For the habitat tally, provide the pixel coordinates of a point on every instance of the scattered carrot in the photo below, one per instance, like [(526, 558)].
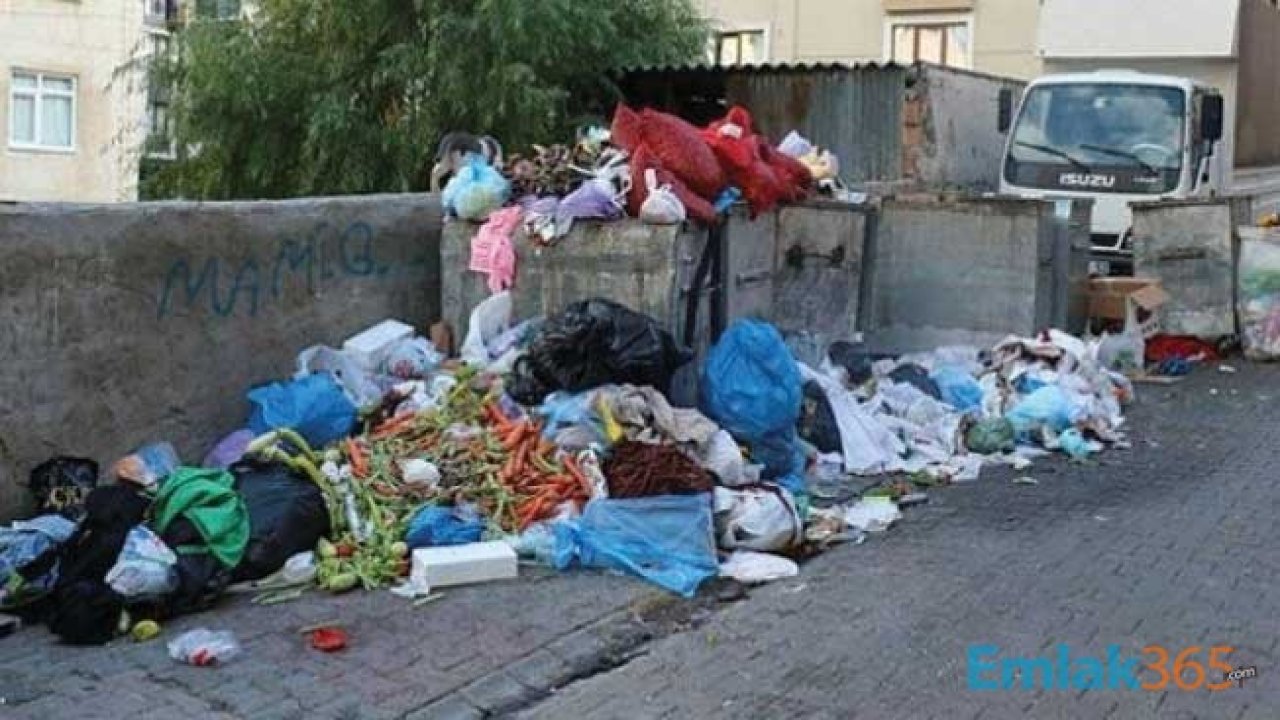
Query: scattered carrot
[(359, 462)]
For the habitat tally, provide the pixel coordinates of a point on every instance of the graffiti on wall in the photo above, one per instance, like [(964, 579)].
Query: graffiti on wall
[(246, 284)]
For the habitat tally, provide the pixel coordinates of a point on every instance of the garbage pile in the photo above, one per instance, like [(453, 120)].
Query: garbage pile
[(648, 165), (388, 464), (946, 413)]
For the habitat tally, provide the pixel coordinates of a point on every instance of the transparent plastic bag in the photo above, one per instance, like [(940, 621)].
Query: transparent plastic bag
[(666, 540), (412, 358), (148, 465), (344, 370), (203, 647), (757, 518)]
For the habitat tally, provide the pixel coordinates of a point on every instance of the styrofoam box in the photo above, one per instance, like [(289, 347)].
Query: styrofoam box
[(464, 564), (369, 346)]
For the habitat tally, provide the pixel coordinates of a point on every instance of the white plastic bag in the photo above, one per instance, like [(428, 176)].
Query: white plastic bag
[(874, 514), (356, 384), (753, 568), (662, 207), (723, 458), (489, 319), (757, 518), (145, 567), (869, 447)]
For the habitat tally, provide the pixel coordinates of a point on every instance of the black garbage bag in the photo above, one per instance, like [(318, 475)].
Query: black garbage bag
[(817, 424), (596, 342), (202, 578), (60, 485), (917, 376), (855, 360), (82, 609), (287, 515)]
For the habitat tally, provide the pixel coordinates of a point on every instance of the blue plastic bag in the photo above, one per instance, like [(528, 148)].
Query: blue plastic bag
[(668, 540), (958, 388), (315, 406), (438, 525), (1048, 407), (476, 190), (751, 386)]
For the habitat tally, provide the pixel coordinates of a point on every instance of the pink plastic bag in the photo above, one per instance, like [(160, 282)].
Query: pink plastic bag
[(492, 251)]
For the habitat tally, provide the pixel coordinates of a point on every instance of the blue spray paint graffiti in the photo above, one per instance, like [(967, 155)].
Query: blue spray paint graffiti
[(221, 285)]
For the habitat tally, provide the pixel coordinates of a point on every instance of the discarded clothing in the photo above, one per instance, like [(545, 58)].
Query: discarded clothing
[(644, 410), (492, 250), (208, 499), (24, 541)]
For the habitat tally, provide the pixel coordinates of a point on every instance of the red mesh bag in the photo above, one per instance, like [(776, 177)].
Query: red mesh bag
[(796, 179), (626, 131), (733, 141), (760, 187), (695, 207), (681, 149)]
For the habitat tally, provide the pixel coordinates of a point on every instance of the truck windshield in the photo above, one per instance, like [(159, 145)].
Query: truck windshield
[(1100, 138)]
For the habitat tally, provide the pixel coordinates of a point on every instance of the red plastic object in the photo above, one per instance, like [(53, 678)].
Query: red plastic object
[(328, 639)]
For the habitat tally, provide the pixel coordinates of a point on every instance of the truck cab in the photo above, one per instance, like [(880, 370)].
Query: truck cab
[(1116, 137)]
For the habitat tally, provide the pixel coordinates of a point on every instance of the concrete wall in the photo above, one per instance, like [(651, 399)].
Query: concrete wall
[(965, 271), (93, 42), (130, 323)]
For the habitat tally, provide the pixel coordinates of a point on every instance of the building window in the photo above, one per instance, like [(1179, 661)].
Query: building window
[(159, 141), (740, 47), (218, 9), (160, 12), (42, 111), (940, 39)]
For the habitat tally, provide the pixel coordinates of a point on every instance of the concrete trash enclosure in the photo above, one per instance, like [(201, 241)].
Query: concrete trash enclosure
[(908, 273)]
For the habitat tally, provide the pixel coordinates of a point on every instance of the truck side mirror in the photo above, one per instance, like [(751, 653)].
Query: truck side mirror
[(1004, 117), (1211, 118)]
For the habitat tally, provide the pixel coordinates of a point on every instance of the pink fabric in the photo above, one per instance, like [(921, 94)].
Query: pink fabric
[(492, 251)]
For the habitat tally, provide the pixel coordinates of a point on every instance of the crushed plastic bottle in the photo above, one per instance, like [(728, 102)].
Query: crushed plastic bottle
[(203, 647)]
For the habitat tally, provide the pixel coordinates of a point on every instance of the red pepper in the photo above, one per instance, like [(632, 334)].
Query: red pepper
[(328, 639)]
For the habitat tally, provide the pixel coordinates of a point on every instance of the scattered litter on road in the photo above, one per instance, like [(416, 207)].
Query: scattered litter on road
[(204, 648), (753, 568), (329, 639), (1025, 480)]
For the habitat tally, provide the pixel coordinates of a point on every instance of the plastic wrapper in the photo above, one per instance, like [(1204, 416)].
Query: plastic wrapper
[(412, 359), (203, 647), (145, 568)]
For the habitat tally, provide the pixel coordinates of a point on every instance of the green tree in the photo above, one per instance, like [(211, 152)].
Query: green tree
[(319, 97)]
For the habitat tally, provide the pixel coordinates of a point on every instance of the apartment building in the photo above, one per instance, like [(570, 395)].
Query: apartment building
[(79, 113), (993, 36)]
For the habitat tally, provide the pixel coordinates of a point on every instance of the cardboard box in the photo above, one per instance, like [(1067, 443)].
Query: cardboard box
[(1127, 300)]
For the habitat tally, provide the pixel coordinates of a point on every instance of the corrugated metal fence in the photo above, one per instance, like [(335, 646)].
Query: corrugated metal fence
[(856, 111)]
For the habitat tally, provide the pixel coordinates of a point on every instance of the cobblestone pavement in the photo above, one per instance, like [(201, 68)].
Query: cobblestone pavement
[(1172, 543)]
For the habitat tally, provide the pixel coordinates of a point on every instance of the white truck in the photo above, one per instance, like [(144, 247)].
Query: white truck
[(1193, 113)]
